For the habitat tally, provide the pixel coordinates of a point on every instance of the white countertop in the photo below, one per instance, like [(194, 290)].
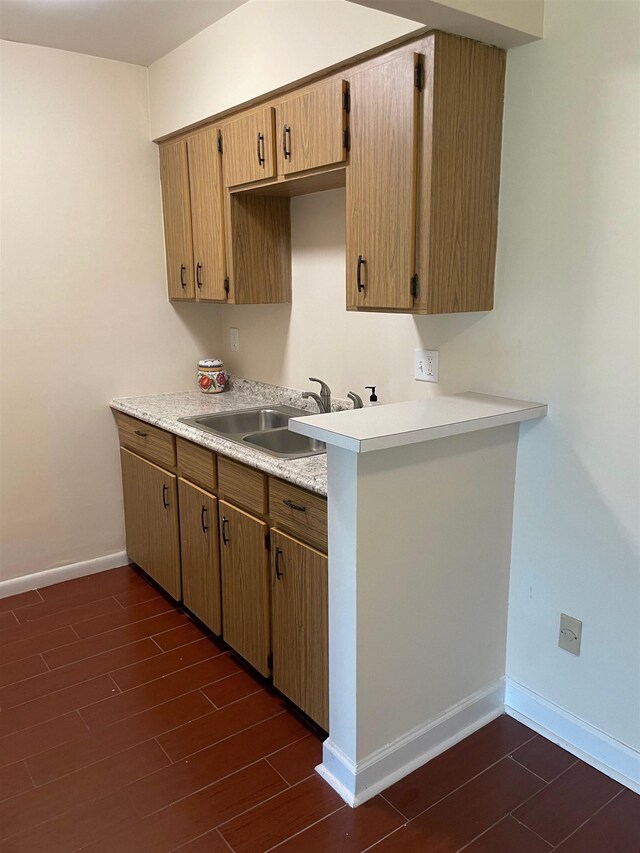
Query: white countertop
[(397, 424)]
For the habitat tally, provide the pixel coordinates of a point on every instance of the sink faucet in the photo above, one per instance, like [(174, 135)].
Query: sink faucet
[(356, 399), (323, 399)]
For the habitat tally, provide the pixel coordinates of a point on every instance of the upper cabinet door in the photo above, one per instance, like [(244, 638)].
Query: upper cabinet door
[(174, 176), (205, 184), (311, 128), (247, 144), (381, 185)]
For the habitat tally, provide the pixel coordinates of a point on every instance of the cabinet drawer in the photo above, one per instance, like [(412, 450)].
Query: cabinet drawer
[(298, 511), (149, 441), (244, 486), (197, 464)]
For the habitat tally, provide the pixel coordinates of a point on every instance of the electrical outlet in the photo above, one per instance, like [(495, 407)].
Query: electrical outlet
[(570, 634), (234, 338), (426, 365)]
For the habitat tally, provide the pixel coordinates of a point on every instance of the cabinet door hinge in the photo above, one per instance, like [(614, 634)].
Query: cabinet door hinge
[(226, 285), (419, 76), (346, 139), (219, 142), (415, 286), (346, 101), (267, 541)]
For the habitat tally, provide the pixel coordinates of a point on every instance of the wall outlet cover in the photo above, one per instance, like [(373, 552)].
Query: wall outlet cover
[(426, 365), (234, 339), (570, 634)]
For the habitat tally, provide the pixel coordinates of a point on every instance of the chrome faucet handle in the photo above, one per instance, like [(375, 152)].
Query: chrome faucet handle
[(356, 399)]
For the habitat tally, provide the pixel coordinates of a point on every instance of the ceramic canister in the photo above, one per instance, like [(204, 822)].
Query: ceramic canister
[(212, 377)]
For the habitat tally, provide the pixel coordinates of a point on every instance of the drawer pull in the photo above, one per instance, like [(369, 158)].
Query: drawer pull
[(165, 491), (286, 136), (225, 523), (141, 433), (277, 564), (183, 270), (292, 505), (204, 526)]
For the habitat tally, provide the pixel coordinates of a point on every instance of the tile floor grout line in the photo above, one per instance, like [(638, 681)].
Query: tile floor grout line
[(495, 823), (305, 828), (169, 759), (384, 837), (221, 826), (537, 775), (470, 779), (216, 742), (537, 834), (210, 701), (275, 770), (597, 811), (395, 808)]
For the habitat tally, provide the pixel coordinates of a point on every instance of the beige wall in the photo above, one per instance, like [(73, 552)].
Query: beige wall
[(565, 331), (84, 315), (259, 47)]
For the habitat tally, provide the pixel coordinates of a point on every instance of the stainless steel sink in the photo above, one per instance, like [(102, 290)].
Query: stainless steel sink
[(243, 422), (264, 428), (283, 443)]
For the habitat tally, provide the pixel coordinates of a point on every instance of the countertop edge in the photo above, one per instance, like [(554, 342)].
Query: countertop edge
[(521, 411), (236, 452)]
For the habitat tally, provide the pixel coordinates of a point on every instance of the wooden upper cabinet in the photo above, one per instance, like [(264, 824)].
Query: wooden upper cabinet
[(311, 128), (174, 176), (206, 193), (248, 147), (381, 185)]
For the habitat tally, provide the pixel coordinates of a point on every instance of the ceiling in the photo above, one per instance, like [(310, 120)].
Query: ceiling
[(137, 31)]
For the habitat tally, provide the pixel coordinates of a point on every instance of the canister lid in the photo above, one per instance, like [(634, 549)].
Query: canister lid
[(210, 363)]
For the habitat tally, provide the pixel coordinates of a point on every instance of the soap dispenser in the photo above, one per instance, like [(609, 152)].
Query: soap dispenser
[(373, 399)]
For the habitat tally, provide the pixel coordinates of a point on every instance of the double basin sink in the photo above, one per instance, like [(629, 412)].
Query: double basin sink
[(263, 428)]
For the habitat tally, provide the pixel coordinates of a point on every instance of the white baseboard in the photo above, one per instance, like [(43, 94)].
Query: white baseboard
[(581, 739), (358, 783), (37, 580)]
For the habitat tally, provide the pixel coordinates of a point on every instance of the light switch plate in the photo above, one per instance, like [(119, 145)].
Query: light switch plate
[(426, 365), (570, 634), (234, 339)]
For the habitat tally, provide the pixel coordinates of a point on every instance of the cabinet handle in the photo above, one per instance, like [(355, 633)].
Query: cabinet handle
[(260, 149), (277, 564), (291, 505), (286, 151), (204, 526), (143, 434), (165, 492), (361, 263), (199, 275), (183, 270), (225, 522)]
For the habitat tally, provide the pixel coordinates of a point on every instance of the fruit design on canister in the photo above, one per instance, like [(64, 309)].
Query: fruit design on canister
[(212, 377)]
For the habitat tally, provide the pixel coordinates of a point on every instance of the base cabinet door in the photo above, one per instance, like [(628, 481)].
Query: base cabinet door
[(245, 585), (151, 520), (200, 554), (300, 625)]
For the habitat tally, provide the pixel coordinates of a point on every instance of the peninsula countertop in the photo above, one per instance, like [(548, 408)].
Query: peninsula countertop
[(165, 410)]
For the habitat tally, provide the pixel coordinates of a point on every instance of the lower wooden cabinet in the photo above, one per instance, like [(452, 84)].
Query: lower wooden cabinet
[(244, 560), (151, 520), (299, 627), (200, 554)]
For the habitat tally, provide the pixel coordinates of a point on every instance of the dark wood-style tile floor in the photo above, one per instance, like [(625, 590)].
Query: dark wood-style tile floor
[(124, 727)]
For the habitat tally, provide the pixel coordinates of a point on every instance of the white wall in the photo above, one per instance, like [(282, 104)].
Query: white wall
[(565, 331), (84, 312)]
